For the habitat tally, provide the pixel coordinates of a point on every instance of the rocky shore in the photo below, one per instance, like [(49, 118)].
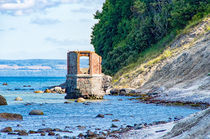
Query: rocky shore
[(195, 126)]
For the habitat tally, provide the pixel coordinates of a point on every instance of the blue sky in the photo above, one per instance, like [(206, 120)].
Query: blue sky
[(45, 29)]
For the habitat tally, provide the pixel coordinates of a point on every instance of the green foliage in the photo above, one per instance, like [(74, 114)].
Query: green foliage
[(127, 28)]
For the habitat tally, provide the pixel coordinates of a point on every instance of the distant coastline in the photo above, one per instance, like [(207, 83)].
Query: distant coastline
[(35, 67)]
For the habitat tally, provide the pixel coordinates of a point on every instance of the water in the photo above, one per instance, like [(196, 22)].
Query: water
[(69, 116)]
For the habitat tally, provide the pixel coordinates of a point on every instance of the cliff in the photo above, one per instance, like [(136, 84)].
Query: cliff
[(180, 73)]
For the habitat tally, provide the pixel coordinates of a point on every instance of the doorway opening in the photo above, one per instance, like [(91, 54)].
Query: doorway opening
[(84, 65)]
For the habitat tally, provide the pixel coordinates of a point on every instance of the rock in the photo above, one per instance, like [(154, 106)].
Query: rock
[(26, 85), (81, 127), (80, 99), (47, 91), (6, 129), (67, 102), (57, 130), (42, 134), (36, 112), (11, 133), (80, 135), (18, 99), (27, 104), (38, 91), (90, 134), (22, 133), (58, 136), (32, 132), (51, 133), (113, 126), (4, 84), (3, 101), (178, 118), (109, 114), (114, 91), (10, 116), (58, 89), (115, 120), (100, 116), (108, 91), (107, 80), (126, 91), (45, 130)]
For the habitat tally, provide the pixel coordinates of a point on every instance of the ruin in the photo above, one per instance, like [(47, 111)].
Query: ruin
[(84, 82)]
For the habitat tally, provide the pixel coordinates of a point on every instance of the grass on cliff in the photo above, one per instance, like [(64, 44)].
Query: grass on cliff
[(149, 54), (159, 51)]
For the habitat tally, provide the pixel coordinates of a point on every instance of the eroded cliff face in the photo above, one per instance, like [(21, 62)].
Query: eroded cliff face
[(181, 72)]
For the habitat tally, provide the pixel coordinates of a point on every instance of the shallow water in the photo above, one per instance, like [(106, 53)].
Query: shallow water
[(68, 116)]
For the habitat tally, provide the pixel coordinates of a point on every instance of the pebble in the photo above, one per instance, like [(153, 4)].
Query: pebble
[(42, 134), (18, 99), (100, 116), (114, 126), (22, 133), (7, 129), (51, 133), (115, 120)]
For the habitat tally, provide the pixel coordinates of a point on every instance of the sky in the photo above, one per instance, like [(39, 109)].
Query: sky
[(46, 29)]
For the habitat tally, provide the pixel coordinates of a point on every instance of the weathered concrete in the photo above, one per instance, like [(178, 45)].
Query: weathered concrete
[(80, 82)]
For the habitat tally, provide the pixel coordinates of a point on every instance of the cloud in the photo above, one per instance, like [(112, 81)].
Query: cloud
[(18, 5), (67, 42), (12, 29), (85, 20), (21, 7), (82, 10), (45, 21)]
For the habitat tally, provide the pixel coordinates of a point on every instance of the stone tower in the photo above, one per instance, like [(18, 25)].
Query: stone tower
[(84, 82)]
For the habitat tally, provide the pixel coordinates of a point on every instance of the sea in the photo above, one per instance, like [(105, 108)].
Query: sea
[(70, 116)]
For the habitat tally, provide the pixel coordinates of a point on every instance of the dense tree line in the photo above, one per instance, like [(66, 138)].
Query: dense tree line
[(128, 27)]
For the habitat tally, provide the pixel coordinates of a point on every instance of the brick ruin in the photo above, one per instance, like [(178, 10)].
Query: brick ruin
[(84, 82)]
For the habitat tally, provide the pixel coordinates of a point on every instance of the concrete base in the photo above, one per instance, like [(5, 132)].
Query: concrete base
[(84, 85)]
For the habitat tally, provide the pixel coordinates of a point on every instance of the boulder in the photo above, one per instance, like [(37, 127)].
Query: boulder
[(47, 91), (58, 89), (3, 101), (10, 116), (7, 129), (38, 91), (18, 99), (80, 99), (4, 84), (107, 80), (122, 92), (114, 91), (36, 112)]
